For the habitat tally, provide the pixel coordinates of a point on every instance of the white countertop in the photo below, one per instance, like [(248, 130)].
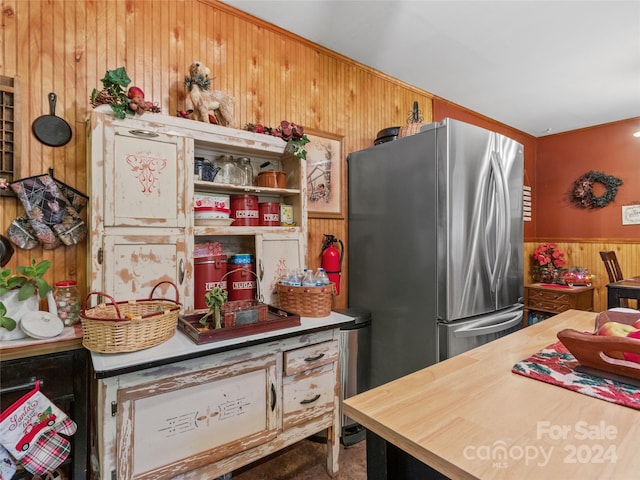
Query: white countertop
[(180, 346)]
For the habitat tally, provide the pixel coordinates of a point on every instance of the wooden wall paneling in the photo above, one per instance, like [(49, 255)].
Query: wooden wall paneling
[(67, 46)]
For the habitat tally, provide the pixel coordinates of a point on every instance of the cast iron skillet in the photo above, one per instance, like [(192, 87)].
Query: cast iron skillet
[(51, 130)]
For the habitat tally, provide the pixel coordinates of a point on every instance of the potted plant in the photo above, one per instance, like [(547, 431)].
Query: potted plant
[(20, 291), (214, 299)]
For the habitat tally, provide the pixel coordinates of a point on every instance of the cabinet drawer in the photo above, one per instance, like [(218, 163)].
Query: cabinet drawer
[(313, 356), (309, 394), (548, 306), (557, 298)]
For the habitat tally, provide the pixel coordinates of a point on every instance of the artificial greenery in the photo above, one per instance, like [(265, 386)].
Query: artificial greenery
[(214, 299), (114, 93), (201, 81), (582, 194)]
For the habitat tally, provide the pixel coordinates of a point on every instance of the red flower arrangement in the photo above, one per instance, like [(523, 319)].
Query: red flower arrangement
[(548, 260), (290, 132)]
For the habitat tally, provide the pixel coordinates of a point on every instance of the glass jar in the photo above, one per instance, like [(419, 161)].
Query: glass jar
[(230, 173), (67, 301), (245, 165)]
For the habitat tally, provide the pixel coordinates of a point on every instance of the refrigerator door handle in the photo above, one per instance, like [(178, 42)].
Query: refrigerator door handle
[(504, 226), (512, 320)]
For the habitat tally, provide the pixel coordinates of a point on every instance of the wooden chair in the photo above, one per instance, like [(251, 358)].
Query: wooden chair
[(613, 270)]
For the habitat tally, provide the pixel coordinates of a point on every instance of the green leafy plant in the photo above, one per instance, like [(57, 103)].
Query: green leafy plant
[(29, 280), (6, 322), (114, 92), (214, 299)]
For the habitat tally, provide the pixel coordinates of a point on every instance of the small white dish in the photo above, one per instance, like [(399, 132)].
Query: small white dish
[(214, 222), (41, 325)]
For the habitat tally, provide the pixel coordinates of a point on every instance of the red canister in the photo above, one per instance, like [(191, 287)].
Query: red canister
[(269, 214), (241, 279), (208, 273), (244, 210)]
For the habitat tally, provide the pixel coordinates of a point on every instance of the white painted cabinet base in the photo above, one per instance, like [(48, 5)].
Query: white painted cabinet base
[(204, 417)]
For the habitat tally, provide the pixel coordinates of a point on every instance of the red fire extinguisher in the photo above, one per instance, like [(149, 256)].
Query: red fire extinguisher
[(332, 259)]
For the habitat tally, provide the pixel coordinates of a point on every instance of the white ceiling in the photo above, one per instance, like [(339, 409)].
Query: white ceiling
[(542, 67)]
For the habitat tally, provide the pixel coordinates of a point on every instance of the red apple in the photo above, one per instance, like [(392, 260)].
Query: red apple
[(636, 324), (136, 93), (633, 357), (616, 329)]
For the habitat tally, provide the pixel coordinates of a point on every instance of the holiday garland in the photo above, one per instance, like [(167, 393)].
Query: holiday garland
[(582, 194)]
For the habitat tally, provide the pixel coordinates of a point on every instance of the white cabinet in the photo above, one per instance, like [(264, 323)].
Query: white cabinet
[(145, 180), (200, 418), (142, 187)]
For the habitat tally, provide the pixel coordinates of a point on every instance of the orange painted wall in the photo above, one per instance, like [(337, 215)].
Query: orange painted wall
[(563, 158), (444, 109)]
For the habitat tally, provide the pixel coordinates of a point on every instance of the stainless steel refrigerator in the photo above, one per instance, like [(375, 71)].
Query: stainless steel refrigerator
[(435, 245)]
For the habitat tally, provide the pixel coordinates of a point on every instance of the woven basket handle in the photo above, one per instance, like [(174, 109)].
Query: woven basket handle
[(175, 287), (113, 301)]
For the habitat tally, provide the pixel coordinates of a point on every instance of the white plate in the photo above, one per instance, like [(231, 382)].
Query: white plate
[(41, 325), (215, 222)]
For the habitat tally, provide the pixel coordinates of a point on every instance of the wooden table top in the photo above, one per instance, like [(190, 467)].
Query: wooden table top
[(633, 283), (471, 417)]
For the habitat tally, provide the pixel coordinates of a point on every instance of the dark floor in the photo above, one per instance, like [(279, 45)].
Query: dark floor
[(306, 460)]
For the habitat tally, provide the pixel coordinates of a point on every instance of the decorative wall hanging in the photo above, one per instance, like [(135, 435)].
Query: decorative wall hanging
[(325, 175), (582, 194)]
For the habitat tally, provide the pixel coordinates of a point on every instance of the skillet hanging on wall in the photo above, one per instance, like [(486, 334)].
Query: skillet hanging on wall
[(50, 129)]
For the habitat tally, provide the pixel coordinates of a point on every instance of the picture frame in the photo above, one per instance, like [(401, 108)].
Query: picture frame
[(325, 174)]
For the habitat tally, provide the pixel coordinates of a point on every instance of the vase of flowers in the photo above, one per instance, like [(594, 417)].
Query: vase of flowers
[(547, 262)]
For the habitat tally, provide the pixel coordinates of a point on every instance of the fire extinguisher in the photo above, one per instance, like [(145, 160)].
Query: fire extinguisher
[(332, 259)]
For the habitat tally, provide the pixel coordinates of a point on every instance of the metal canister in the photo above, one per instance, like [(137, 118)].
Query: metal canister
[(241, 279), (208, 273)]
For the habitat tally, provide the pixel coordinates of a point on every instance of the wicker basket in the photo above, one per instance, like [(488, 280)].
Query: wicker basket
[(306, 301), (129, 326)]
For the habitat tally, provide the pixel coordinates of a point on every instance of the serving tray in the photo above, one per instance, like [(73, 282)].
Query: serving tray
[(276, 319)]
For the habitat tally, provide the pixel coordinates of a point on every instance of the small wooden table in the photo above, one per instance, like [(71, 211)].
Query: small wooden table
[(471, 417), (554, 299), (627, 288)]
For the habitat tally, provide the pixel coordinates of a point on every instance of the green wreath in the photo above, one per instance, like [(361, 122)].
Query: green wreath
[(582, 194)]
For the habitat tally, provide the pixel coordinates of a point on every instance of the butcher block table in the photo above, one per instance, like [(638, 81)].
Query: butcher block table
[(470, 417)]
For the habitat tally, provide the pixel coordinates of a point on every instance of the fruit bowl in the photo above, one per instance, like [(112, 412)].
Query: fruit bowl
[(605, 352)]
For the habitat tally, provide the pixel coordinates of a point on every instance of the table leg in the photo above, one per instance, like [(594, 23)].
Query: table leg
[(613, 298), (385, 461)]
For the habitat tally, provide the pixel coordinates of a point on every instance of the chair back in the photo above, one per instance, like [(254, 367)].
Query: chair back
[(611, 264), (613, 270)]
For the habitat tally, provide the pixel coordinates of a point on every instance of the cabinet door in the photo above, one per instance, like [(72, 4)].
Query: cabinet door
[(134, 263), (277, 253), (174, 424), (144, 178)]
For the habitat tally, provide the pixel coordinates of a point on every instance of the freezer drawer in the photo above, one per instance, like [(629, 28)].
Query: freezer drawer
[(458, 337)]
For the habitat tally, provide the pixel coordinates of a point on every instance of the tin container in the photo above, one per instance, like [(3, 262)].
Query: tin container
[(208, 272), (245, 210), (272, 179), (286, 215), (241, 279), (269, 214)]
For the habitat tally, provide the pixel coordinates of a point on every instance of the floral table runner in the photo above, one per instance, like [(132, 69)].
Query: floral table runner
[(554, 364)]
